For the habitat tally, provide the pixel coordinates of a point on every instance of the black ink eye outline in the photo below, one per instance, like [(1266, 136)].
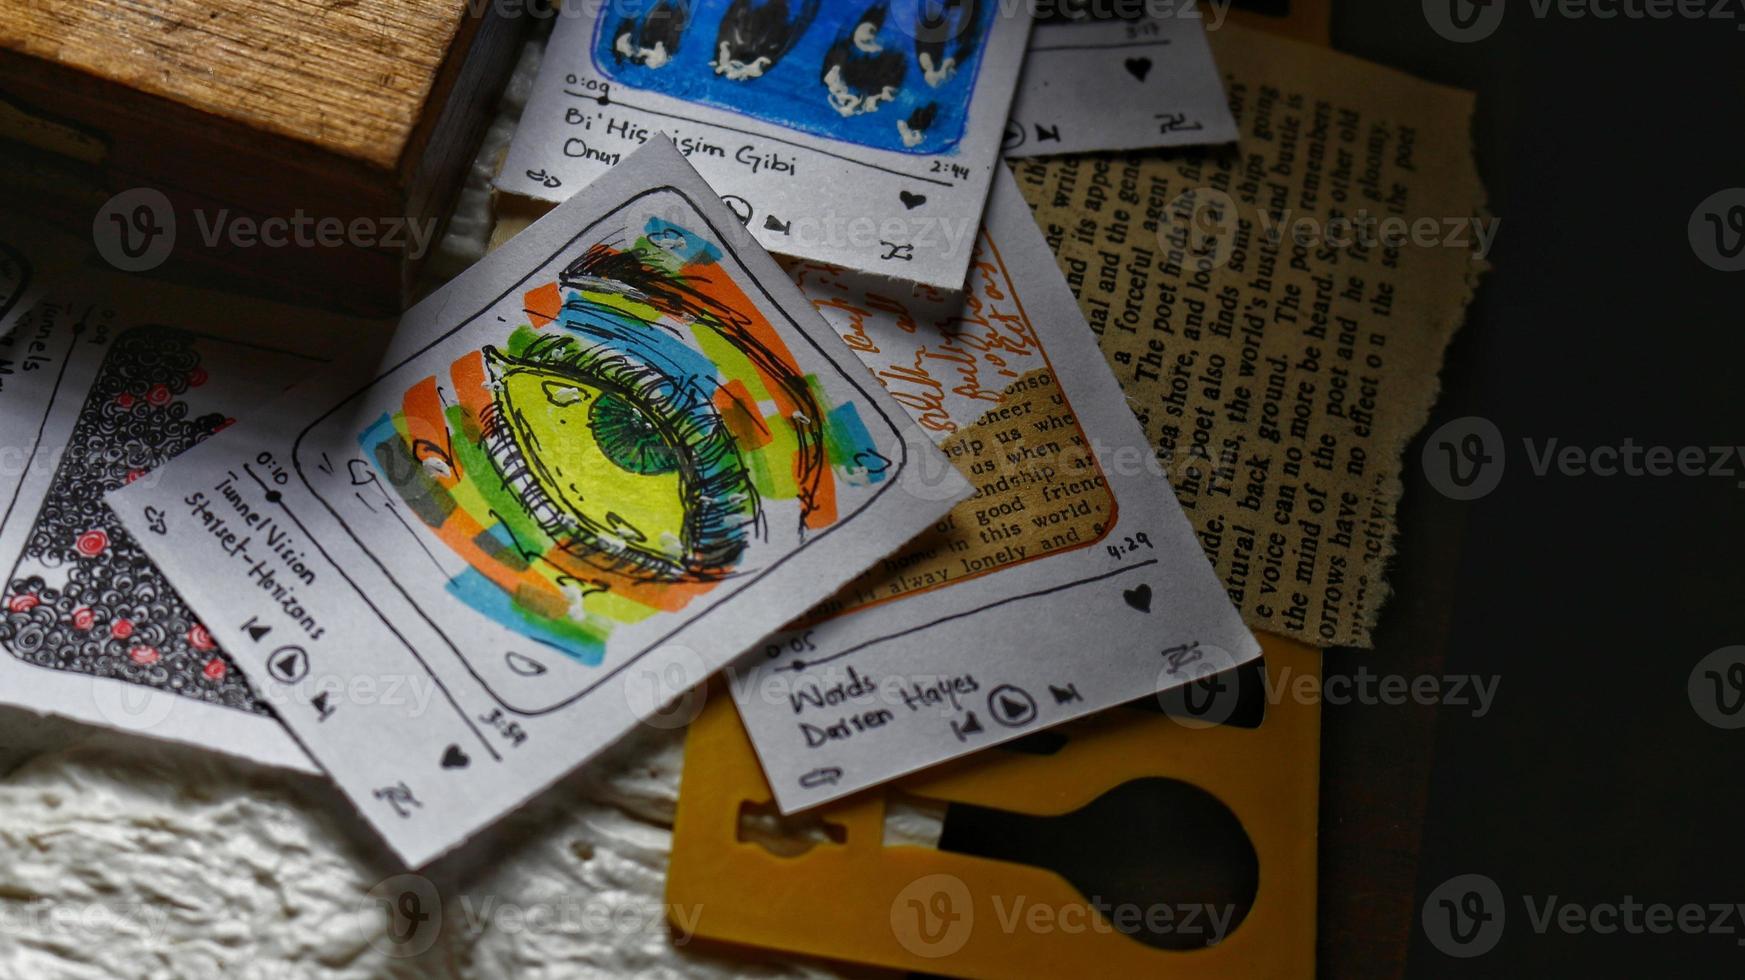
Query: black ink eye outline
[(630, 272), (720, 506), (629, 438)]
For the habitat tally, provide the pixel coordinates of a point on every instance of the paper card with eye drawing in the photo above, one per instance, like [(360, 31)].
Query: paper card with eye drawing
[(858, 132), (129, 376), (1069, 582), (589, 472), (1119, 85)]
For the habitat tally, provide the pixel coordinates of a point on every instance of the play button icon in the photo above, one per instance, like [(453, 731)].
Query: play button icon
[(1011, 706), (288, 665)]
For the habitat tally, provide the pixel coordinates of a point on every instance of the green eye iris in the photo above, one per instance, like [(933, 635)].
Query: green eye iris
[(628, 438)]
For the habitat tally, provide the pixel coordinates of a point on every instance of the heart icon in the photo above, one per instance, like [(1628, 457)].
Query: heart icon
[(1139, 67), (454, 758), (1139, 597), (912, 201)]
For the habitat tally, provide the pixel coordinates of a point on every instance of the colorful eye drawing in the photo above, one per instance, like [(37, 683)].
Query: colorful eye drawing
[(621, 465), (642, 437)]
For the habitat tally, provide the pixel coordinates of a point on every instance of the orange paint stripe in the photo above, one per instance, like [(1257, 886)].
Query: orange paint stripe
[(823, 491), (823, 512), (739, 414), (458, 533), (424, 422), (543, 304), (468, 372)]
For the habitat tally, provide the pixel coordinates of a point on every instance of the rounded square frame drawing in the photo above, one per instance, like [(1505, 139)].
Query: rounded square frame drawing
[(335, 427)]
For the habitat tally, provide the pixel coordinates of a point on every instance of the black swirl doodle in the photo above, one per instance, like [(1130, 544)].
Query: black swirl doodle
[(113, 613)]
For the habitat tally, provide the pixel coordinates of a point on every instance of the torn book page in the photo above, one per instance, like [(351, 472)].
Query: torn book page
[(1277, 312)]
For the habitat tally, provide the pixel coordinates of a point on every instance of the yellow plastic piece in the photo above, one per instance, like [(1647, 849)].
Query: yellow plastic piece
[(916, 908)]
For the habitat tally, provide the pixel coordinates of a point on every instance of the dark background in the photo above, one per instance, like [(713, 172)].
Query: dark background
[(1591, 599)]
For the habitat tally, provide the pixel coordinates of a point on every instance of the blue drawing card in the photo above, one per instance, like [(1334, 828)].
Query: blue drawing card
[(862, 73), (857, 132)]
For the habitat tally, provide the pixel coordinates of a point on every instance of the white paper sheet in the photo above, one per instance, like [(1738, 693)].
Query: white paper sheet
[(32, 258), (862, 134), (1070, 582), (1119, 85), (118, 377), (592, 470)]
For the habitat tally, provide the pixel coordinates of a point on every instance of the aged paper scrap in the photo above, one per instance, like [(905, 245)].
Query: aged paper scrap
[(1277, 312)]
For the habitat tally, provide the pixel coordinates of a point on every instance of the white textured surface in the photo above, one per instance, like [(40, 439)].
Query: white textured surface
[(142, 859), (130, 858)]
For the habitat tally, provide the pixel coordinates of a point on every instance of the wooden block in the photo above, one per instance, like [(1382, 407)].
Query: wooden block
[(367, 110)]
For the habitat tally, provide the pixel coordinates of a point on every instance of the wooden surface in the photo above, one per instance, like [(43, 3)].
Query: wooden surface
[(293, 109), (352, 77)]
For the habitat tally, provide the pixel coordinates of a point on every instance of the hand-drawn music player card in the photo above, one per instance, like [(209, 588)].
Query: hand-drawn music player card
[(111, 383), (1069, 582), (608, 459), (857, 132), (1119, 84)]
